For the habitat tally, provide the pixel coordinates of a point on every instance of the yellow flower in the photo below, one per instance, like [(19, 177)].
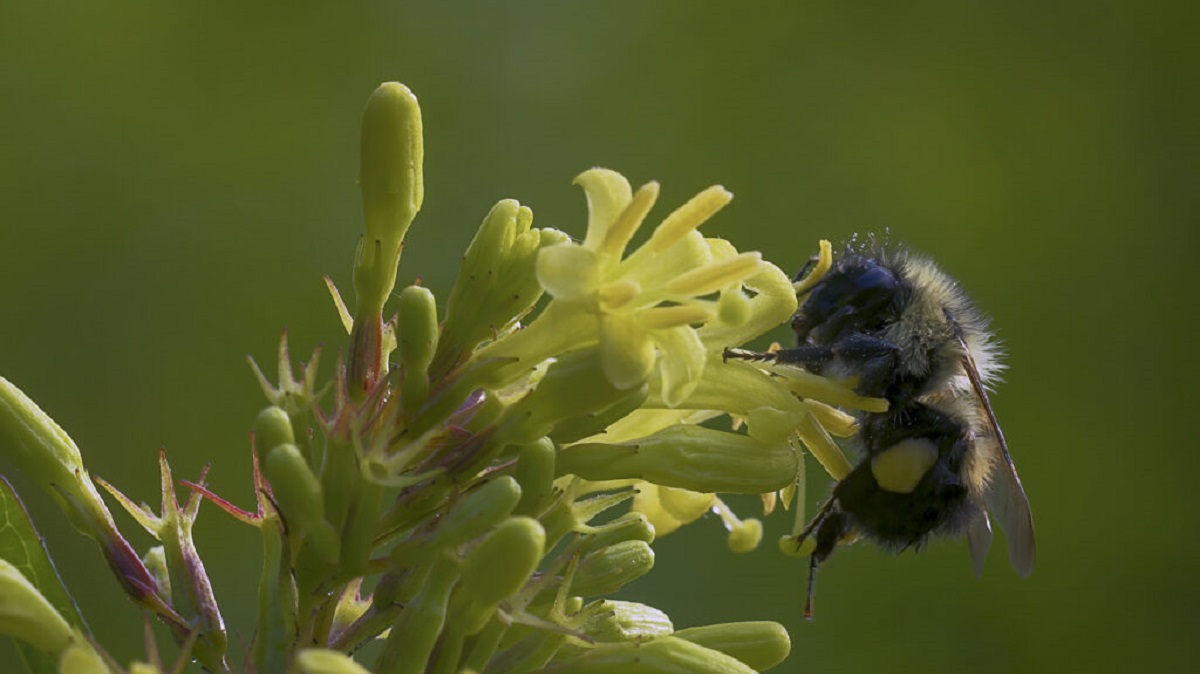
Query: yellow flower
[(645, 307)]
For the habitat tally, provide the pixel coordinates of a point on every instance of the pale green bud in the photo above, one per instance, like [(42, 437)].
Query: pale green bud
[(392, 191), (503, 562), (479, 511), (497, 283), (663, 655), (761, 645), (609, 569), (416, 630), (609, 620), (324, 661), (299, 496), (688, 457), (417, 332), (27, 615), (273, 427), (535, 472)]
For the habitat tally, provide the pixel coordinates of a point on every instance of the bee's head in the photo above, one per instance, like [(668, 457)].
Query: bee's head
[(859, 294)]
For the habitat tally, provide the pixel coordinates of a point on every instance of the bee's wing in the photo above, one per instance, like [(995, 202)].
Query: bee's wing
[(979, 540), (1004, 495)]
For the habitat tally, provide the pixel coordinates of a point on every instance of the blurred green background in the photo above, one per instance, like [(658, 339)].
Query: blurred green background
[(175, 179)]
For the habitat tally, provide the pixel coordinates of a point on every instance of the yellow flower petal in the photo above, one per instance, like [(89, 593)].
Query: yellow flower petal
[(608, 193), (568, 271), (688, 217), (627, 223), (716, 275)]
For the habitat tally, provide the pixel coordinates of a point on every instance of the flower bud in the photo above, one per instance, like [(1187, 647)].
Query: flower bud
[(610, 620), (503, 562), (609, 569), (416, 630), (535, 473), (654, 656), (392, 189), (497, 283), (688, 457), (479, 511), (273, 427), (761, 645), (42, 450), (324, 661), (417, 332), (299, 496), (27, 615)]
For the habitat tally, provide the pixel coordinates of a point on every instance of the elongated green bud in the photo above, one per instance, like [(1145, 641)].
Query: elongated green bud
[(324, 661), (688, 457), (498, 569), (42, 450), (535, 472), (416, 630), (609, 569), (299, 496), (417, 332), (475, 514), (273, 427), (662, 655), (27, 615), (761, 645), (392, 190), (503, 562)]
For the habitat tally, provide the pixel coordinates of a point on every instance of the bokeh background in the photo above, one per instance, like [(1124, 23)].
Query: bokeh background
[(175, 179)]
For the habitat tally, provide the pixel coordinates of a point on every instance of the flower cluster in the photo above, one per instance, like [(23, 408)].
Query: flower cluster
[(469, 487)]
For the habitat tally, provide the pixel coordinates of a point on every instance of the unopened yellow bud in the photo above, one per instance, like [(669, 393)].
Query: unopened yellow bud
[(761, 645)]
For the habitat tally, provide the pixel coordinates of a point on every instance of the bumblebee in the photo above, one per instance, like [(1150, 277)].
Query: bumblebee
[(936, 462)]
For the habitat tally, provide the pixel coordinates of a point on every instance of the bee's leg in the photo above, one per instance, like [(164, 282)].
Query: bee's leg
[(873, 358)]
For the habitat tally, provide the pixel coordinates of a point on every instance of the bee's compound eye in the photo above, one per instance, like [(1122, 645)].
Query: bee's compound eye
[(900, 467)]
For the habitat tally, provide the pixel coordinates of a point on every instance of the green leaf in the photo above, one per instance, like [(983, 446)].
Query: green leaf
[(24, 548)]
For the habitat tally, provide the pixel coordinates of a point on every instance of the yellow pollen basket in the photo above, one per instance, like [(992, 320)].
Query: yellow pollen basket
[(902, 466)]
